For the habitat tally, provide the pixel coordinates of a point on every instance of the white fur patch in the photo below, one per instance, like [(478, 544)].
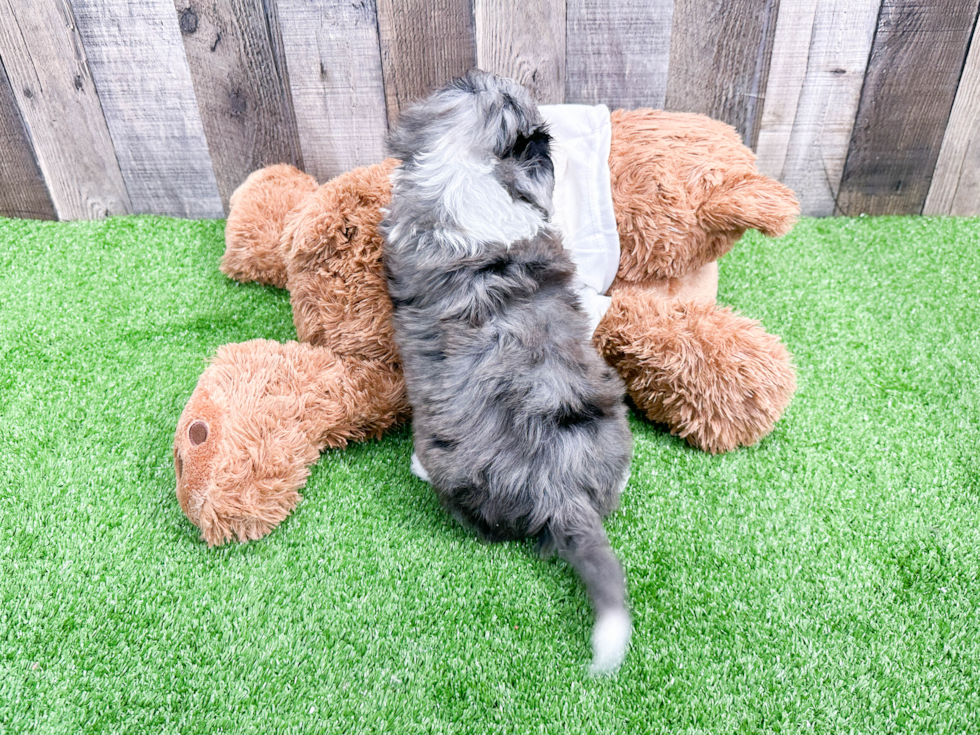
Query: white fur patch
[(610, 639), (624, 481), (418, 470), (487, 214), (477, 203)]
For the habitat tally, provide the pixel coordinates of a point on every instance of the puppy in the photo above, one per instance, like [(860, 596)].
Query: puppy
[(518, 423)]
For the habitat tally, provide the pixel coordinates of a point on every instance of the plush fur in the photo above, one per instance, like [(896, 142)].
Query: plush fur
[(518, 423), (685, 189), (267, 410), (259, 208), (712, 353), (245, 443)]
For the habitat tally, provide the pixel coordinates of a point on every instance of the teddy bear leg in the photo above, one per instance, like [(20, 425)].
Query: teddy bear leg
[(713, 377), (749, 201), (685, 189), (259, 208), (257, 421)]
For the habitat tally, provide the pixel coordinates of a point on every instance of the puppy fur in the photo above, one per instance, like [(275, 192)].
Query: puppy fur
[(518, 423)]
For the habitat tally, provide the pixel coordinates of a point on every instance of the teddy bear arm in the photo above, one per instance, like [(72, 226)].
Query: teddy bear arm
[(259, 210), (332, 248), (716, 379), (260, 416)]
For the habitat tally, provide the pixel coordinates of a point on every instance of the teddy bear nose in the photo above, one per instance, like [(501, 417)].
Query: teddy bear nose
[(197, 433)]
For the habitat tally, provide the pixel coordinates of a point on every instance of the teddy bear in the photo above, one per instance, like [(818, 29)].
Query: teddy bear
[(684, 190)]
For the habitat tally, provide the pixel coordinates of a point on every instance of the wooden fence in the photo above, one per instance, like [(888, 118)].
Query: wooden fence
[(164, 106)]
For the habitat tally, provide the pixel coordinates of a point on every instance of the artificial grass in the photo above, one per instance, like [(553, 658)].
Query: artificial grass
[(822, 581)]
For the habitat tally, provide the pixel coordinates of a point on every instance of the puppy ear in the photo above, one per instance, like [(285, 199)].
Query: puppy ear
[(403, 139), (527, 172), (426, 122), (534, 151)]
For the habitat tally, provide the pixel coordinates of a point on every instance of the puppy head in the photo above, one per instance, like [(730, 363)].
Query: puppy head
[(485, 118)]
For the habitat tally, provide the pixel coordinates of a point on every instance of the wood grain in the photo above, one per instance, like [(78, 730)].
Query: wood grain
[(795, 26), (858, 105), (234, 51), (140, 70), (719, 60), (22, 189), (334, 62), (618, 52), (955, 187), (916, 60), (524, 40), (51, 82), (424, 44), (819, 59)]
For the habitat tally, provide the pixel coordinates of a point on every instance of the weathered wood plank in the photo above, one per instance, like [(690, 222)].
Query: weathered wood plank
[(618, 52), (719, 60), (140, 70), (524, 40), (237, 64), (916, 60), (424, 44), (955, 187), (334, 62), (50, 78), (791, 51), (819, 59), (22, 189)]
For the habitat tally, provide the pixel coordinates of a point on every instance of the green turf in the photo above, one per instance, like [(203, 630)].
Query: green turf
[(823, 581)]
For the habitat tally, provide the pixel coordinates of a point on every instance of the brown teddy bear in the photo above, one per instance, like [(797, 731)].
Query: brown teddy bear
[(684, 190)]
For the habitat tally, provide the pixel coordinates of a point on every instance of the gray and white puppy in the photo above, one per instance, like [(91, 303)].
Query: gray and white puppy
[(518, 423)]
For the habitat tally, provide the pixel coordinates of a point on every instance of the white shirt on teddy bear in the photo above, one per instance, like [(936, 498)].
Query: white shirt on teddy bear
[(584, 213)]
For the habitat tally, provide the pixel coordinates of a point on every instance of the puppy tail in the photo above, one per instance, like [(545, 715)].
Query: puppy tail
[(581, 541)]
